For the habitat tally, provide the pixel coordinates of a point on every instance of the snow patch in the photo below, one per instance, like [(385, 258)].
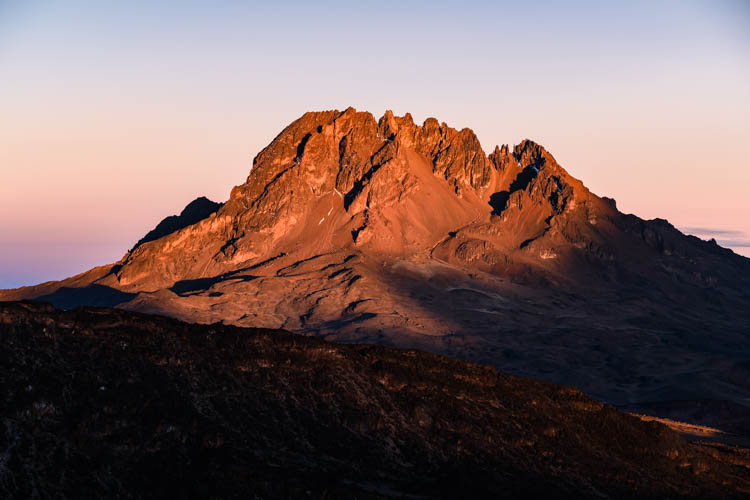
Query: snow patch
[(547, 254)]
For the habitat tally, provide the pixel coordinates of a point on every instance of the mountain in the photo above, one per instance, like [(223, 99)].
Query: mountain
[(194, 212), (387, 232), (105, 403)]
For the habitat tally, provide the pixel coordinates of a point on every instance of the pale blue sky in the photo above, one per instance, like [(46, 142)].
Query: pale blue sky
[(115, 115)]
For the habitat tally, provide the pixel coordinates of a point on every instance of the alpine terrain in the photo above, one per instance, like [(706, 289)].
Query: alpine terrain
[(387, 232)]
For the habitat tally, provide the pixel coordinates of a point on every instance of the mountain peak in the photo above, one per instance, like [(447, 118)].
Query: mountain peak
[(392, 232), (195, 211), (355, 177), (336, 179), (528, 152)]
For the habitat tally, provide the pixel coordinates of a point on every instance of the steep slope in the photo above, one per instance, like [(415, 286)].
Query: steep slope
[(101, 403), (389, 232), (194, 212)]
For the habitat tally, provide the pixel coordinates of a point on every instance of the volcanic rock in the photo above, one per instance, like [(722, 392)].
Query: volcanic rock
[(384, 231), (195, 211)]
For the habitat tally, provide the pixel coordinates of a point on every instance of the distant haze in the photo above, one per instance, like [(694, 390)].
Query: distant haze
[(113, 116)]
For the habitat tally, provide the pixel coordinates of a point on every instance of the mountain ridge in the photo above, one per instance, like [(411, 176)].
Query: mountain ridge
[(122, 404), (194, 212), (383, 231)]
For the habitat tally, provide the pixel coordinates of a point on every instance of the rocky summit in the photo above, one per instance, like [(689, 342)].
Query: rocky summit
[(388, 232), (105, 403)]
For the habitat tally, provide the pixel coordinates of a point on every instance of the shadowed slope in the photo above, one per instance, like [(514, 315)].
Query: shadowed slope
[(124, 404), (93, 295)]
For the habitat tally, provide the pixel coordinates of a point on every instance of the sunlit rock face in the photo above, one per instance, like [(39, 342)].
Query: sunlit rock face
[(360, 229)]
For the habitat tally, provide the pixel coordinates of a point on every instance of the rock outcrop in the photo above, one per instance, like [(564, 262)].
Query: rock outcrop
[(194, 212)]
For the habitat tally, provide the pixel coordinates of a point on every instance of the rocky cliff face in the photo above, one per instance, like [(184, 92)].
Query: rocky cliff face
[(336, 180), (385, 231), (101, 403)]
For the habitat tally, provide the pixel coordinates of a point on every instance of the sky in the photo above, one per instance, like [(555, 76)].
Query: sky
[(114, 115)]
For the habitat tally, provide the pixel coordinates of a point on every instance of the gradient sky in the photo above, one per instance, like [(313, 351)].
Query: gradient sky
[(114, 115)]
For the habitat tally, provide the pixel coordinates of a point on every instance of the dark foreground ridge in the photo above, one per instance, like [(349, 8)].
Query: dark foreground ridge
[(110, 403)]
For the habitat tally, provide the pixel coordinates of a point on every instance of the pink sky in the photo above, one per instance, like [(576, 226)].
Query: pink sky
[(115, 117)]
